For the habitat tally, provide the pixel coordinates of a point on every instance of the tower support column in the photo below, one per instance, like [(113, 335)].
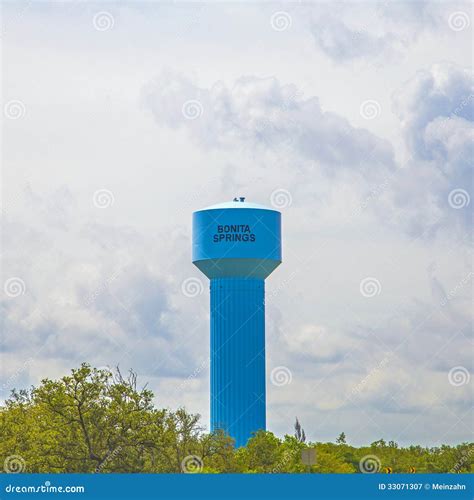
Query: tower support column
[(238, 356)]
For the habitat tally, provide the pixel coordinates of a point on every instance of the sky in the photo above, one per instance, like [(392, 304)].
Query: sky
[(355, 120)]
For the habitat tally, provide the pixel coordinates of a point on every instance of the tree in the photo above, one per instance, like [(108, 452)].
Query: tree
[(341, 438), (299, 432), (217, 452), (263, 453), (330, 462), (379, 444), (98, 421)]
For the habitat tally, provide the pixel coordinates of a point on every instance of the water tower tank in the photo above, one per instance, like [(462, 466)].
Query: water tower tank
[(237, 245)]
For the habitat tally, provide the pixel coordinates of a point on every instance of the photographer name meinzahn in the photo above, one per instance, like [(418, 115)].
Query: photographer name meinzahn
[(445, 486)]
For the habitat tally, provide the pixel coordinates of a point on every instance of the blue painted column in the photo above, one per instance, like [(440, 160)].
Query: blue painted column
[(238, 356)]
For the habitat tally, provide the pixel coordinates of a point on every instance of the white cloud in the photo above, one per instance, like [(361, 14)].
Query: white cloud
[(262, 113), (380, 32), (435, 108)]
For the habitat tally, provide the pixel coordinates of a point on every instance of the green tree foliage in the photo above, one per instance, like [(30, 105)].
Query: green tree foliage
[(94, 421), (98, 422)]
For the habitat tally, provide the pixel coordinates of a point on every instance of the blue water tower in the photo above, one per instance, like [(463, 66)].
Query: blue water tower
[(237, 245)]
